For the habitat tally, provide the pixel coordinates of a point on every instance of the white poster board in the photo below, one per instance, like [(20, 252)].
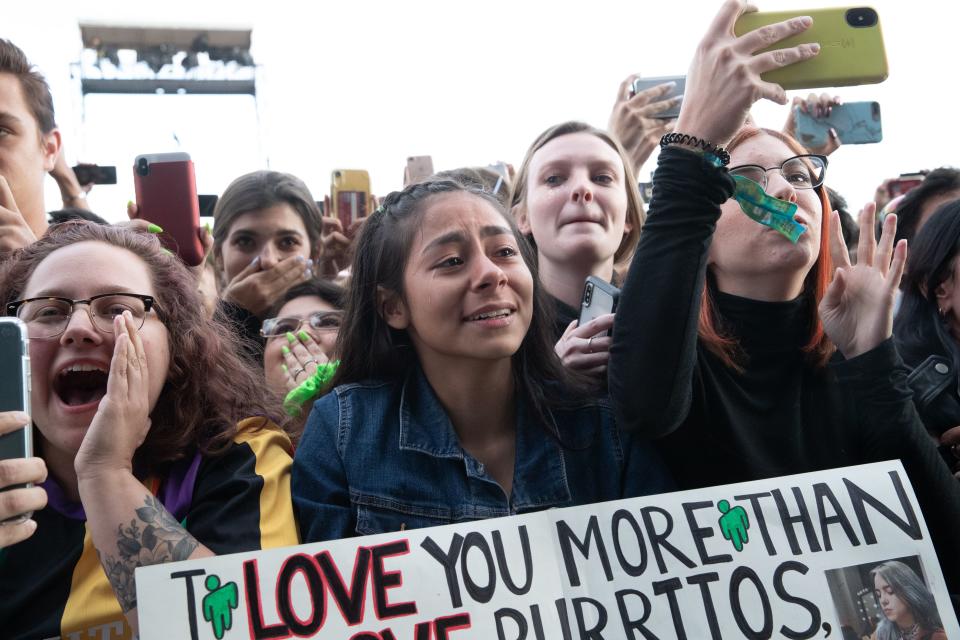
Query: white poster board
[(789, 557)]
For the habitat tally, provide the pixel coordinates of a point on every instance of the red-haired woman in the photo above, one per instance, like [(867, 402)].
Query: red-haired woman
[(138, 415), (724, 346)]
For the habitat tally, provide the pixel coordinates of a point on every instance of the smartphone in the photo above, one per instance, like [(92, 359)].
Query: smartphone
[(642, 84), (349, 195), (646, 191), (15, 392), (599, 298), (418, 169), (851, 47), (167, 196), (95, 174), (854, 122), (206, 204), (906, 182)]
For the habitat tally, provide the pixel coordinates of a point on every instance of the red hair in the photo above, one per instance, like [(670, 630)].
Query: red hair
[(818, 348)]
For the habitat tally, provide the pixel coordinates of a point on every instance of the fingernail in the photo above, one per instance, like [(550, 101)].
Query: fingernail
[(255, 261), (284, 367), (301, 259), (166, 251), (806, 21), (206, 225), (284, 350), (129, 203), (21, 417), (303, 336), (815, 46), (291, 338), (152, 228), (308, 273)]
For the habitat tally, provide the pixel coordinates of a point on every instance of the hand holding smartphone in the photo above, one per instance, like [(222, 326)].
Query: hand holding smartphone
[(22, 470), (676, 92), (851, 47), (599, 298), (167, 196), (854, 123)]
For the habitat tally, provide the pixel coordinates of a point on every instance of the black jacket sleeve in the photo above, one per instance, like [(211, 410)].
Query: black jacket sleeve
[(654, 348), (888, 428)]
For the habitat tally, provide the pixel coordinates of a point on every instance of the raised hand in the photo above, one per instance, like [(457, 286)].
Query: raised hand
[(818, 107), (633, 119), (586, 348), (122, 420), (724, 78), (301, 357), (857, 310), (257, 291), (15, 233)]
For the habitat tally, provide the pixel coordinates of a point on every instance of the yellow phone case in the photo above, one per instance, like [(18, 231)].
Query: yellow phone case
[(848, 55), (350, 195)]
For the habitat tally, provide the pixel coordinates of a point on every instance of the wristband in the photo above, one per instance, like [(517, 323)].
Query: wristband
[(309, 388)]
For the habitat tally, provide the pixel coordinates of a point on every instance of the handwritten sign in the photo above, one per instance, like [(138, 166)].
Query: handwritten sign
[(795, 557)]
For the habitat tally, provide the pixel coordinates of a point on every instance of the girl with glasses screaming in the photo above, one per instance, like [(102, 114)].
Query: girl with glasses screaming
[(152, 436), (746, 342)]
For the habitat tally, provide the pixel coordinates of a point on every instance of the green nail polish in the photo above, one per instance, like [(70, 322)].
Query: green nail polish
[(303, 336), (129, 203), (291, 338), (284, 367), (152, 228), (166, 251), (206, 225), (284, 350)]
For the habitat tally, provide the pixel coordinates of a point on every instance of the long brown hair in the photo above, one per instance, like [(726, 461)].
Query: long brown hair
[(635, 212), (209, 388), (819, 348)]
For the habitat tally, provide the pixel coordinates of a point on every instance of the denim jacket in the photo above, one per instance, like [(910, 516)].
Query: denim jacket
[(381, 456)]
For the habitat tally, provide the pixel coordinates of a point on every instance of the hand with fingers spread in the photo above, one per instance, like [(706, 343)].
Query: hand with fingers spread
[(633, 119), (15, 233), (336, 243), (301, 356), (724, 78), (257, 290), (15, 504), (818, 107), (857, 310), (586, 348), (123, 418)]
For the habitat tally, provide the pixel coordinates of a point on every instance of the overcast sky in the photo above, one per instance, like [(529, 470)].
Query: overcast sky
[(364, 84)]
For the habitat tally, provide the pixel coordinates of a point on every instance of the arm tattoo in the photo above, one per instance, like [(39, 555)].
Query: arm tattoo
[(153, 537)]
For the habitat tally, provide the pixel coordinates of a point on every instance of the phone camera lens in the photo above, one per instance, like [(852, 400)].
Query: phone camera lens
[(862, 17), (143, 167)]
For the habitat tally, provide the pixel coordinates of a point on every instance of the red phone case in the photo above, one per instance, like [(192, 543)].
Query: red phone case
[(167, 196)]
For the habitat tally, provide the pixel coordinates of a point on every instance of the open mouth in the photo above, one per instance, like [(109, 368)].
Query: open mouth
[(490, 315), (81, 385)]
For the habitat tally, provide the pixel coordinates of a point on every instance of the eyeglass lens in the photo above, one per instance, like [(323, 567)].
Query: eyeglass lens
[(46, 318)]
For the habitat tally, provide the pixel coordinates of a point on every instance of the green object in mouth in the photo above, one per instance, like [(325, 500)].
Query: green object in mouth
[(767, 210)]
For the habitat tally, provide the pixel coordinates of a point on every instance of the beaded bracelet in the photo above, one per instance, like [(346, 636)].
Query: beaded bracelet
[(717, 156)]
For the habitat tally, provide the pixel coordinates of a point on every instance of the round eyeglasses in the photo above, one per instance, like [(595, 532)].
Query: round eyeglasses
[(801, 172), (318, 320), (48, 317)]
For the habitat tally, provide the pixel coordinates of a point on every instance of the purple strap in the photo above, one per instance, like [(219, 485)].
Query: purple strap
[(176, 492)]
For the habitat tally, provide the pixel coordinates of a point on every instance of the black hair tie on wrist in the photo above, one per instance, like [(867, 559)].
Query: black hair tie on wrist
[(687, 140)]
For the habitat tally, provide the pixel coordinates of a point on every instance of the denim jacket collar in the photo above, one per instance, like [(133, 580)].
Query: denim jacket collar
[(540, 478)]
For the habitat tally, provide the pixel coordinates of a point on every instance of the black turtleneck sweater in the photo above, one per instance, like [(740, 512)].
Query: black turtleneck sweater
[(780, 415)]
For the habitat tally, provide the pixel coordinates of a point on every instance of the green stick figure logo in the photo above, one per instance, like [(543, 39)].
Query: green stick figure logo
[(218, 605), (734, 524)]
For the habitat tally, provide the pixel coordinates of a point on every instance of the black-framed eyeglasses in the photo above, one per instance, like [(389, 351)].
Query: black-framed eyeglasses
[(801, 172), (321, 321), (48, 317)]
